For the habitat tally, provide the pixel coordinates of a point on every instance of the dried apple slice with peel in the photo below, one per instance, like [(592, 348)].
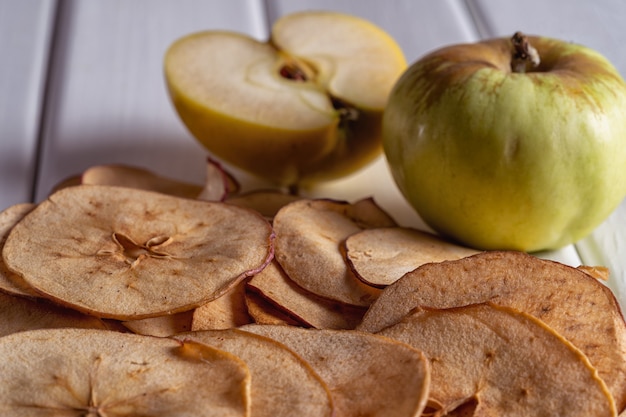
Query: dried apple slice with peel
[(263, 311), (304, 106), (104, 373), (309, 236), (307, 308), (501, 361), (218, 183), (19, 314), (576, 305), (224, 312), (282, 383), (128, 254), (358, 370), (140, 178), (381, 256), (161, 326), (11, 282)]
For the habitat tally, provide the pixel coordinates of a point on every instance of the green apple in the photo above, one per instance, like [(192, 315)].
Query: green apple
[(302, 107), (513, 143)]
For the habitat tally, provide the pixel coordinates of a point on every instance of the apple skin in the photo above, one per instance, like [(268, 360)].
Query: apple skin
[(497, 159)]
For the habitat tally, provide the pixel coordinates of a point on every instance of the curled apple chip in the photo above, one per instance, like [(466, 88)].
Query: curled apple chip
[(128, 254), (161, 326), (381, 256), (502, 362), (218, 183), (224, 312), (576, 305), (309, 235), (139, 178), (18, 314), (598, 272), (103, 373), (282, 383), (11, 282), (359, 371), (263, 311), (307, 308)]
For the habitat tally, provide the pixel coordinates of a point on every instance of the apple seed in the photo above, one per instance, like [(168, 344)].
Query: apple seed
[(291, 71)]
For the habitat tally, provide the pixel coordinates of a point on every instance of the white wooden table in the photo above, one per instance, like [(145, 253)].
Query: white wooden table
[(81, 84)]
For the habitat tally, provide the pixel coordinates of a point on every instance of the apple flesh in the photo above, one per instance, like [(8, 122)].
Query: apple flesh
[(499, 153), (303, 107)]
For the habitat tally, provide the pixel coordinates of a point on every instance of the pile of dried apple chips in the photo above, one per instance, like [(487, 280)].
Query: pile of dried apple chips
[(129, 293)]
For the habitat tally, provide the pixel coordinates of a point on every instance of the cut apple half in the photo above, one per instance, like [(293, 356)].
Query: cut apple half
[(304, 106)]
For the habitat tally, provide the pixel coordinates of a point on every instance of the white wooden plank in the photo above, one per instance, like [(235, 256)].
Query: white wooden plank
[(25, 33), (599, 25), (108, 101)]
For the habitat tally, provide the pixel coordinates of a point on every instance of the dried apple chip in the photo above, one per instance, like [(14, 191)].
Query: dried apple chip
[(368, 375), (139, 178), (224, 312), (576, 305), (161, 326), (18, 314), (218, 184), (502, 362), (381, 256), (128, 254), (282, 383), (10, 282), (309, 235), (307, 308), (263, 311), (598, 272), (78, 372)]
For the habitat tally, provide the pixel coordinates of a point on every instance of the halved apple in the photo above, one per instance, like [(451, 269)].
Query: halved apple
[(303, 107)]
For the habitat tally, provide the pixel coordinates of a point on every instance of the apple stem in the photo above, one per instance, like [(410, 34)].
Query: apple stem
[(523, 54)]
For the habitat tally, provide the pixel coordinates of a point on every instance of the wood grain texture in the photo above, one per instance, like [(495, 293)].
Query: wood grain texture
[(25, 39)]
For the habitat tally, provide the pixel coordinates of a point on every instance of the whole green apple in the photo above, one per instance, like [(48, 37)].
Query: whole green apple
[(510, 143)]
